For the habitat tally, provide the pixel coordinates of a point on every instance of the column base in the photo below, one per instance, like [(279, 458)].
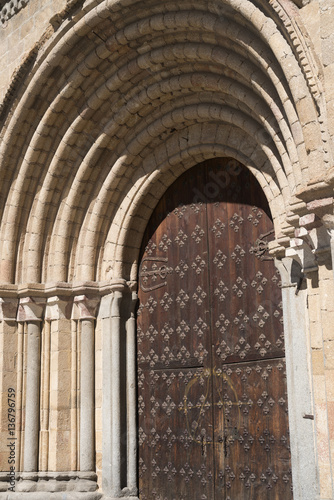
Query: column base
[(117, 498), (66, 495), (50, 485)]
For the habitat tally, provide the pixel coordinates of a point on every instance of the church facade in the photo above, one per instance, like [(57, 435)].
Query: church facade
[(166, 227)]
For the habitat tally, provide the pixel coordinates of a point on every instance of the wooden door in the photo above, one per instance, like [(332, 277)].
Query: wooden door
[(212, 403)]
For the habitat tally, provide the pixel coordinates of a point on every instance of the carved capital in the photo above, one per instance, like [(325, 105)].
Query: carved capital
[(58, 308), (8, 309), (31, 309), (85, 307)]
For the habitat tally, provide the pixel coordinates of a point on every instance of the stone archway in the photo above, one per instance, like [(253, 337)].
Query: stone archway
[(112, 106)]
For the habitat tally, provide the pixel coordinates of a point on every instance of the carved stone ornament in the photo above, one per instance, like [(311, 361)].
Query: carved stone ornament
[(9, 9)]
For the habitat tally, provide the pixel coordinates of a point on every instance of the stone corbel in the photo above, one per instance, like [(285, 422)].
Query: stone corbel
[(301, 250), (323, 210), (321, 227), (311, 243), (58, 308), (8, 309)]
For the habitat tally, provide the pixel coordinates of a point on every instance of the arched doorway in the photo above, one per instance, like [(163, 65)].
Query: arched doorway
[(212, 399)]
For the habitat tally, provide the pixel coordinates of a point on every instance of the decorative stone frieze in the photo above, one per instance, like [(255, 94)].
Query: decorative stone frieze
[(8, 9)]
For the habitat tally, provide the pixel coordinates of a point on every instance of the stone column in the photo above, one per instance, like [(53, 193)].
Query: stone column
[(131, 397), (115, 366), (10, 357), (105, 317), (119, 459), (85, 312), (31, 311)]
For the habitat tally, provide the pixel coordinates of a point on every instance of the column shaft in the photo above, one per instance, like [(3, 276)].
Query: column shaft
[(32, 398), (116, 394), (132, 398), (87, 399)]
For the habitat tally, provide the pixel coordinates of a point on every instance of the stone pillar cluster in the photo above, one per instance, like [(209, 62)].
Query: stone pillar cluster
[(306, 261), (70, 360)]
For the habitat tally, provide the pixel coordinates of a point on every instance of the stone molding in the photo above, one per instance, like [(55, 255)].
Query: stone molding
[(65, 290), (59, 306)]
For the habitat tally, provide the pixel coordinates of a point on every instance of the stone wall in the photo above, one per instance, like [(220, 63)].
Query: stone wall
[(21, 33)]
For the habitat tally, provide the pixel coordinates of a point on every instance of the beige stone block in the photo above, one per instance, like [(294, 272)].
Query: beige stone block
[(322, 433), (316, 335), (328, 50), (318, 362), (330, 384), (327, 294), (4, 457), (311, 18), (98, 379), (329, 78), (327, 325), (325, 481), (314, 308), (59, 450), (98, 416), (327, 22), (99, 440), (54, 399), (98, 398), (330, 410), (329, 354), (332, 450), (325, 273), (99, 461), (320, 388)]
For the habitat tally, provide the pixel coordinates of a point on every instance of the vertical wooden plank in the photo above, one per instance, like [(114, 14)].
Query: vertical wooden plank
[(174, 366), (251, 433)]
